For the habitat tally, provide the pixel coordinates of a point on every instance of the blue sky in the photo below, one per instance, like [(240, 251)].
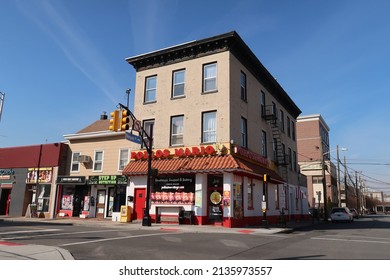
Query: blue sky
[(62, 63)]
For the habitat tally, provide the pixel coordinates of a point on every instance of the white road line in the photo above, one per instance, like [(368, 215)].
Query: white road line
[(28, 231), (352, 240), (55, 234), (115, 238)]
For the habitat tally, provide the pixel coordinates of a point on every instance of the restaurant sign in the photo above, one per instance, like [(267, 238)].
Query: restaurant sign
[(178, 152)]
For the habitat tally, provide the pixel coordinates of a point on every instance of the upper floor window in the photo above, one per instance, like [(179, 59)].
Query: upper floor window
[(293, 130), (123, 158), (262, 103), (147, 125), (178, 83), (281, 115), (75, 166), (209, 77), (243, 86), (98, 161), (177, 130), (150, 89), (244, 133), (209, 121), (288, 127), (264, 143)]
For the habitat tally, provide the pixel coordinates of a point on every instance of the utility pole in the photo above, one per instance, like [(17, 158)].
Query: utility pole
[(345, 182), (338, 178)]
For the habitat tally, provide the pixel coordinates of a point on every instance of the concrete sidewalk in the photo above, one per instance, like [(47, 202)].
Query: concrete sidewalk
[(14, 251)]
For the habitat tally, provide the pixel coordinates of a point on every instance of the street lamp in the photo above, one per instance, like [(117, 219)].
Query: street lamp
[(146, 220), (324, 180)]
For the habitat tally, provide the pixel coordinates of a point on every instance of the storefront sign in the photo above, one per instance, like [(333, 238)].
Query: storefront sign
[(179, 152), (45, 175), (72, 180), (107, 180), (251, 155), (6, 172), (174, 190)]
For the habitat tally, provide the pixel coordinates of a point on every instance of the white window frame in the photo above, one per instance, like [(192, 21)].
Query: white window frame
[(179, 132), (75, 161), (207, 79), (95, 161), (150, 90), (123, 159), (209, 130), (176, 85), (146, 126)]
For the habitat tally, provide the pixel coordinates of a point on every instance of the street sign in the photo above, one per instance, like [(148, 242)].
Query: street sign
[(137, 126), (133, 138)]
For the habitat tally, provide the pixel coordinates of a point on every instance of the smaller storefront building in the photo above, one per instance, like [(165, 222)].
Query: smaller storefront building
[(93, 197)]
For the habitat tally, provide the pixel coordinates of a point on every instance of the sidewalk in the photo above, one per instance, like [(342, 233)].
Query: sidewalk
[(14, 251)]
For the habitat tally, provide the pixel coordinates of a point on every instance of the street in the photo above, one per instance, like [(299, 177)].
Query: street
[(364, 239)]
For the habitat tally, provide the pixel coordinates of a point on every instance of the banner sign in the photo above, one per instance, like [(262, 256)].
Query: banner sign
[(107, 180), (174, 190)]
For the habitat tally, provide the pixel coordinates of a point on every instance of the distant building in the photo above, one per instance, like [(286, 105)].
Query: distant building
[(314, 158)]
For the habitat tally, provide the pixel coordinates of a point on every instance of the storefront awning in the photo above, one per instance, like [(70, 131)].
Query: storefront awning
[(207, 164)]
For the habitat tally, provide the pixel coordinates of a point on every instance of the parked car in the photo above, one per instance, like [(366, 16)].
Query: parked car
[(341, 214), (354, 213)]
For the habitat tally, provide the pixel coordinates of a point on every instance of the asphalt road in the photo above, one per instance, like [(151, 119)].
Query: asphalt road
[(366, 238)]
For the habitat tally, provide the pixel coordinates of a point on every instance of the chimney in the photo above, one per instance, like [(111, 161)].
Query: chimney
[(103, 116)]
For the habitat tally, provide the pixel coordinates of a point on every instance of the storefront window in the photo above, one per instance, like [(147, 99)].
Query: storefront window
[(250, 194), (43, 198), (67, 198)]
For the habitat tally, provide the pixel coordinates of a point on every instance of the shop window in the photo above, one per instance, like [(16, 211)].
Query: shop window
[(250, 194), (43, 198)]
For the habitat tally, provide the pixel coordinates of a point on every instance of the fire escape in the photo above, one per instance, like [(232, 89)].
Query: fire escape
[(281, 159)]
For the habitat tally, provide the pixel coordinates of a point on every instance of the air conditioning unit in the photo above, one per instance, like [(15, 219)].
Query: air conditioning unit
[(84, 158)]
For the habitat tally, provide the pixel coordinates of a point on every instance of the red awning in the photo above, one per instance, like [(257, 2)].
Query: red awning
[(207, 164)]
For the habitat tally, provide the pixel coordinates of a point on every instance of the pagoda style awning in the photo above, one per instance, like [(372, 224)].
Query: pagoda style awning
[(204, 164)]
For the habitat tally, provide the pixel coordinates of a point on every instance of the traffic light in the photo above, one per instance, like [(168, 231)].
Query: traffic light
[(124, 121), (114, 121)]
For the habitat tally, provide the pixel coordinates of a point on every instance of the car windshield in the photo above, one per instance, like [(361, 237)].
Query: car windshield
[(336, 210)]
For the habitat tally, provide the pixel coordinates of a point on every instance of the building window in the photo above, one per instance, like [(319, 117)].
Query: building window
[(293, 130), (98, 161), (295, 161), (209, 130), (150, 89), (210, 77), (177, 129), (250, 194), (123, 158), (281, 115), (277, 197), (262, 103), (178, 83), (288, 127), (275, 149), (244, 133), (290, 162), (243, 86), (75, 167), (317, 180), (147, 126), (264, 143)]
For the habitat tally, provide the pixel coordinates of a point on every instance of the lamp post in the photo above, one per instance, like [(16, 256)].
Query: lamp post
[(146, 220)]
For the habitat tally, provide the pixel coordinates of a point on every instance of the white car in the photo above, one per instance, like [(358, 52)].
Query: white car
[(341, 214)]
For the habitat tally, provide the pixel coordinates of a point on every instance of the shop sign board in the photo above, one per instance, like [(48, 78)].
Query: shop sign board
[(178, 152), (71, 180), (45, 175), (107, 180), (174, 189)]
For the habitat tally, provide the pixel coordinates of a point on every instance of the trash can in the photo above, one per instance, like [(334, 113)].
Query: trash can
[(181, 216), (125, 214)]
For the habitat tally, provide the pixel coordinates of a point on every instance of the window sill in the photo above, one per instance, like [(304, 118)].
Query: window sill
[(209, 92)]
